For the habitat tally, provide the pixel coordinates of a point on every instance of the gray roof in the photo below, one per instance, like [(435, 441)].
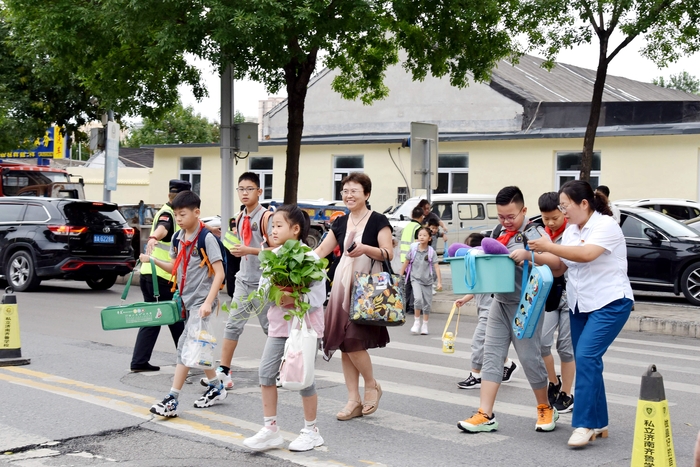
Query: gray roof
[(529, 82), (692, 128), (136, 157)]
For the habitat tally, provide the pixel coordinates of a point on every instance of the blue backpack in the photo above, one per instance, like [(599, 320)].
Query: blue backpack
[(201, 246), (535, 288)]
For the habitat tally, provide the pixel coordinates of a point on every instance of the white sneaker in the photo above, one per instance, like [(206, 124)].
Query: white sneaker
[(415, 329), (424, 328), (581, 436), (264, 439), (224, 378), (307, 440)]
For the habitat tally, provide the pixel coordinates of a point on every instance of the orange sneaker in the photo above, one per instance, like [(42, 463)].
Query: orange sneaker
[(547, 417), (479, 422)]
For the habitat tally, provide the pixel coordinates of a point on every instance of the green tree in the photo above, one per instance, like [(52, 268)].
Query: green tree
[(178, 125), (131, 55), (670, 28), (683, 81), (109, 49), (31, 101)]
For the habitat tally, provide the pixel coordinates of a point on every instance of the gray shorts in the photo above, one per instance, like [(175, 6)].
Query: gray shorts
[(270, 364), (499, 335), (238, 317), (422, 297), (554, 319)]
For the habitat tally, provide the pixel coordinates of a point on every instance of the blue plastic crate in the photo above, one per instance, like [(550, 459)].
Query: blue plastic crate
[(490, 274)]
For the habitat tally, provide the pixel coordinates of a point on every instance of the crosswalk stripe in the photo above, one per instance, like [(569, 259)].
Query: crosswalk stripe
[(646, 343), (143, 413), (11, 438), (683, 387), (613, 348)]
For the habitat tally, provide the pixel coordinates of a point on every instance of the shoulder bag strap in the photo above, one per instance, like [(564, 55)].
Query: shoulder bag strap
[(131, 277), (449, 320), (526, 271), (156, 292)]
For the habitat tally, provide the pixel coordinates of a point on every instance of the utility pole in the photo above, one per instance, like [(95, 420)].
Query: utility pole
[(111, 154), (227, 145)]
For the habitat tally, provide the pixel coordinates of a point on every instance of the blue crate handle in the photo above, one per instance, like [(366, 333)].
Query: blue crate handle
[(470, 270)]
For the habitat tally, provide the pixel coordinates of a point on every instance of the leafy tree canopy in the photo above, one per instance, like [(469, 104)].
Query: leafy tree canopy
[(670, 28), (179, 125), (683, 81)]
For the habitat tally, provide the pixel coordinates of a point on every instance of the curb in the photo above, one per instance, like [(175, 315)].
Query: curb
[(638, 321), (670, 327)]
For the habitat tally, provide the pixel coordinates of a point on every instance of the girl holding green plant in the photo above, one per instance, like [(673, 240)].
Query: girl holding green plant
[(294, 278)]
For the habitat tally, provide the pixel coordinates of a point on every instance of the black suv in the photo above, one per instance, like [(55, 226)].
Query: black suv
[(46, 238)]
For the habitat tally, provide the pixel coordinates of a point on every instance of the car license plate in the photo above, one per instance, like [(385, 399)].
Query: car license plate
[(103, 238)]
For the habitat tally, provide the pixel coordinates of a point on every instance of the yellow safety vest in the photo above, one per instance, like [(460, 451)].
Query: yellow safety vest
[(162, 249), (408, 237)]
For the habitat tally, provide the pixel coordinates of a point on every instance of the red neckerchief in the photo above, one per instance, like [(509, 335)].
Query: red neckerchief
[(506, 235), (557, 233), (183, 256)]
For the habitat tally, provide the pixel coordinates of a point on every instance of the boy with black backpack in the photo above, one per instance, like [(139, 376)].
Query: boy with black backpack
[(199, 273)]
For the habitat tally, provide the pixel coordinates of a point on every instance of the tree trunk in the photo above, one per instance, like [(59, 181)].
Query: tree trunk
[(594, 118), (297, 76)]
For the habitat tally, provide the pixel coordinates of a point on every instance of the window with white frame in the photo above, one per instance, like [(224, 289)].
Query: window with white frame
[(453, 173), (342, 167), (191, 171), (263, 167), (569, 168)]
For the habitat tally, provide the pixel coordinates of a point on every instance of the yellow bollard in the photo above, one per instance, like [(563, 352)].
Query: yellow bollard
[(653, 443), (10, 348)]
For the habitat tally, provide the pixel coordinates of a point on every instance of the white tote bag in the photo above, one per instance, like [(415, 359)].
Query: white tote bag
[(297, 368)]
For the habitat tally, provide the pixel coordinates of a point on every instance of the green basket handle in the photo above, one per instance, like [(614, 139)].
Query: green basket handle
[(156, 292)]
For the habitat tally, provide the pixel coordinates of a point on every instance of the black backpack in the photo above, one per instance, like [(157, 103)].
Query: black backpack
[(201, 246)]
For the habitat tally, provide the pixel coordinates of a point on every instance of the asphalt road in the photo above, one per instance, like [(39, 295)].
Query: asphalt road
[(78, 404)]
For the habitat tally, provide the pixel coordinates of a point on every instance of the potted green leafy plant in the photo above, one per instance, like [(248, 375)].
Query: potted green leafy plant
[(289, 272)]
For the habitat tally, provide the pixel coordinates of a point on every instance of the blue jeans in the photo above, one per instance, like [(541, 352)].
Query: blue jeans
[(591, 335)]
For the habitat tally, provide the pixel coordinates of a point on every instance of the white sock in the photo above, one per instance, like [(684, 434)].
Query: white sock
[(508, 363), (175, 393), (310, 425), (271, 423), (476, 375)]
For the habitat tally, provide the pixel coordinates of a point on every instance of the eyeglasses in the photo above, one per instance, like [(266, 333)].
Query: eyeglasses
[(350, 192), (563, 208), (510, 218), (249, 189)]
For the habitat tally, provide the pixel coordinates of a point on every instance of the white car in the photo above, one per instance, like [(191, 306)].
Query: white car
[(680, 209), (462, 214)]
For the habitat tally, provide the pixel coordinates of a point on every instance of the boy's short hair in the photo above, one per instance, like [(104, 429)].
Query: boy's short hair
[(416, 213), (474, 239), (432, 222), (423, 203), (186, 200), (510, 194), (549, 201), (251, 177)]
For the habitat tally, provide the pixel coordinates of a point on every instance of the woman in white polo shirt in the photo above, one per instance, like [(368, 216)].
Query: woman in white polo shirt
[(598, 293)]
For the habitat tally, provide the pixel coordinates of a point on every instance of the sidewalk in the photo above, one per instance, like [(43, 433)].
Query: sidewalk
[(671, 320)]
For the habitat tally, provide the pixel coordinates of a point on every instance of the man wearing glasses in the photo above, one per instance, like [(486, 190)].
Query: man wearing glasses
[(252, 225), (499, 333)]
